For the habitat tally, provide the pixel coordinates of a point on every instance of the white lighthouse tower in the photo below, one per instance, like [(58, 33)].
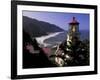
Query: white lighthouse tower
[(73, 31)]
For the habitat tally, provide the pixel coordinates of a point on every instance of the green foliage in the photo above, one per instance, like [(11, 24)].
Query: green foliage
[(75, 53), (79, 51)]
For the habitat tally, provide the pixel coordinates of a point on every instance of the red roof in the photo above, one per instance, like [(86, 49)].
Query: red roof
[(74, 21)]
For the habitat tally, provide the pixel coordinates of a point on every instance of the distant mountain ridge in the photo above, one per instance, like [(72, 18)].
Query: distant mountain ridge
[(38, 28)]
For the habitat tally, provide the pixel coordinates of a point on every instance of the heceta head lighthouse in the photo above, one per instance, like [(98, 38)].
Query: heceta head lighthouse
[(73, 30)]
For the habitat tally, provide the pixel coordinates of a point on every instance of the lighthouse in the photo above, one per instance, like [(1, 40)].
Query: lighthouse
[(72, 51), (73, 30)]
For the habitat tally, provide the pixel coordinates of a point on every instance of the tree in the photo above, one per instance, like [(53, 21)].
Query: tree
[(72, 53)]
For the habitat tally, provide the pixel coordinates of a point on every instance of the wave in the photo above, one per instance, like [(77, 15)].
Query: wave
[(56, 38), (41, 39)]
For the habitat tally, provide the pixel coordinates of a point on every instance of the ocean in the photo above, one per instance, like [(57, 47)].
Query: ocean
[(84, 34)]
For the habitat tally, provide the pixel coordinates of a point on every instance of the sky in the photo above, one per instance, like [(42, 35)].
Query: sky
[(60, 19)]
